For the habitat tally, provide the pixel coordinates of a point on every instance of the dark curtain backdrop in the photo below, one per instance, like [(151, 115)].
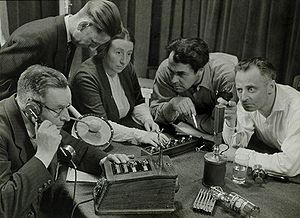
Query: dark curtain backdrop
[(21, 12), (246, 28)]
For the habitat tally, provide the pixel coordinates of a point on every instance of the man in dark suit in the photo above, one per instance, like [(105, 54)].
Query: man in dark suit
[(49, 41), (30, 135)]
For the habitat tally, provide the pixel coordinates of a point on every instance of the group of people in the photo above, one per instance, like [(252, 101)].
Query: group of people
[(35, 96)]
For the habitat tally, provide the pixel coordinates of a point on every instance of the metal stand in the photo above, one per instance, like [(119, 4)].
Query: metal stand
[(214, 165)]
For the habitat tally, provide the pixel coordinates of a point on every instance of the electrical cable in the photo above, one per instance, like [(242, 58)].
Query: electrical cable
[(225, 149), (76, 205), (75, 180), (294, 182)]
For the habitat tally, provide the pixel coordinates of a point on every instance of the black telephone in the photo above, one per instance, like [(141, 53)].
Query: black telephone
[(32, 111)]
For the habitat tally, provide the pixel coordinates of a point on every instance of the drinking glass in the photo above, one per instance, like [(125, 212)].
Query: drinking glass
[(239, 172)]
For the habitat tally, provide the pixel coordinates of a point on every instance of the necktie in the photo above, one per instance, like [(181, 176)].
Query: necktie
[(69, 57)]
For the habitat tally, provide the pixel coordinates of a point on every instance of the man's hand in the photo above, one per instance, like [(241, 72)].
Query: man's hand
[(183, 105), (153, 139), (229, 154), (117, 158), (47, 139), (151, 126), (230, 111)]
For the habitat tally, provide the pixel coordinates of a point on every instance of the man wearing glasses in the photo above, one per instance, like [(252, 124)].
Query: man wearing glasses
[(52, 41), (56, 112), (30, 135)]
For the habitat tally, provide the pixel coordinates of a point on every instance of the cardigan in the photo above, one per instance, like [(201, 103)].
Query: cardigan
[(92, 92)]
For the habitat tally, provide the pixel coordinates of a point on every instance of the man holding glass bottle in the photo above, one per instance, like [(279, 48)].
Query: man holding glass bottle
[(270, 110)]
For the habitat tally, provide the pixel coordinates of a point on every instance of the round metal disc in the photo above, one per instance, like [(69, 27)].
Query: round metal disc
[(101, 137)]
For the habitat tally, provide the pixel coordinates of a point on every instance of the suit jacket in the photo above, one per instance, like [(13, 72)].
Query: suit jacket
[(23, 177), (42, 42), (92, 92)]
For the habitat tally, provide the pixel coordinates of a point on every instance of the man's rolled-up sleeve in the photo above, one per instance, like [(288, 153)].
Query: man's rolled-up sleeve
[(163, 92)]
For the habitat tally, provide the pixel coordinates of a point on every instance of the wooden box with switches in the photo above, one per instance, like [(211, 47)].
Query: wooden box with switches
[(144, 185)]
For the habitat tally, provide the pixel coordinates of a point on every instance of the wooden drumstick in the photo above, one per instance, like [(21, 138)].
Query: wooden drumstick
[(92, 126), (75, 112), (79, 120)]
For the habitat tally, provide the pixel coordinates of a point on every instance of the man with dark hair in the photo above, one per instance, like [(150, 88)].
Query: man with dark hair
[(268, 109), (52, 41), (30, 135), (187, 82)]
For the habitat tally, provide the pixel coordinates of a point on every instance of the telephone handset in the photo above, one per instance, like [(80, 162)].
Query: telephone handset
[(32, 111)]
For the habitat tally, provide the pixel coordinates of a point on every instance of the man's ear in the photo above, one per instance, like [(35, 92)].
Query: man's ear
[(28, 100), (82, 25), (271, 87)]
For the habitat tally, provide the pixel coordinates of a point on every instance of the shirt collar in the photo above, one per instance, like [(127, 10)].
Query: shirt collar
[(279, 104), (206, 79), (68, 27), (112, 77)]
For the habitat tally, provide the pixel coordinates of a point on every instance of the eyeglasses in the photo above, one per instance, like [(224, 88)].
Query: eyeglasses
[(57, 112)]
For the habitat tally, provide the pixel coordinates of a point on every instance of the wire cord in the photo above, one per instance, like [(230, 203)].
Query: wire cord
[(76, 205), (75, 180)]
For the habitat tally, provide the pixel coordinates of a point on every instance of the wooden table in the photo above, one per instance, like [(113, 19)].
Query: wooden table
[(275, 199)]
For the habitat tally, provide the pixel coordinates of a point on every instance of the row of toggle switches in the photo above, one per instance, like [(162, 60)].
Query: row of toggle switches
[(172, 143), (180, 145), (131, 167)]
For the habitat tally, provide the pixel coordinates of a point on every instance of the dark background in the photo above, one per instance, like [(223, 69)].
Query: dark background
[(245, 28)]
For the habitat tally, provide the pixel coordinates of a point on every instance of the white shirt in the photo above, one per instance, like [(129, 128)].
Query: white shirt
[(66, 18), (119, 95), (140, 112), (281, 129)]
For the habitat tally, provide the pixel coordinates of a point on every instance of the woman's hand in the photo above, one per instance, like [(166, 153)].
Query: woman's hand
[(154, 139), (151, 126)]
